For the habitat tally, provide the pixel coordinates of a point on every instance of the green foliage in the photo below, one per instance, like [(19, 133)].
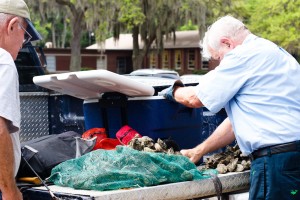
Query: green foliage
[(87, 39), (43, 30), (103, 29), (52, 21), (102, 18), (278, 21), (131, 13), (188, 26)]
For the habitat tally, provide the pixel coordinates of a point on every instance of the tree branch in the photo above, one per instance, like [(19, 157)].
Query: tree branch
[(67, 3)]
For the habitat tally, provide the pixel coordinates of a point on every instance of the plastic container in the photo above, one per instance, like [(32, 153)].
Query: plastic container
[(151, 116)]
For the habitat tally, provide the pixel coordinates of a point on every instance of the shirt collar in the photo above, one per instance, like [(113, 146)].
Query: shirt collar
[(249, 38)]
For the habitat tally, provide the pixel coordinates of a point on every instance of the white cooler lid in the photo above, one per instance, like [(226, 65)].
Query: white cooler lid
[(91, 84)]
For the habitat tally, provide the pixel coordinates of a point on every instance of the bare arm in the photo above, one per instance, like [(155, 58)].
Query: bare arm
[(8, 185), (221, 137), (187, 97)]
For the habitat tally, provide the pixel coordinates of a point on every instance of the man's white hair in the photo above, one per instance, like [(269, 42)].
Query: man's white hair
[(226, 26), (3, 18)]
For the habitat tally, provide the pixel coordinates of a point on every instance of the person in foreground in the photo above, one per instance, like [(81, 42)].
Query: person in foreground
[(15, 30), (257, 82)]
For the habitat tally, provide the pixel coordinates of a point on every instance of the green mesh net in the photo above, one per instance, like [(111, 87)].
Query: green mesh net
[(123, 168)]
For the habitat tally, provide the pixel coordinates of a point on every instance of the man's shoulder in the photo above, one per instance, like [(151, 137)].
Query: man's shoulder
[(5, 57), (3, 51), (254, 46), (257, 42)]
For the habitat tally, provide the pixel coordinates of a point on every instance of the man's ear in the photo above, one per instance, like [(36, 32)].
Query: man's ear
[(226, 42), (12, 24)]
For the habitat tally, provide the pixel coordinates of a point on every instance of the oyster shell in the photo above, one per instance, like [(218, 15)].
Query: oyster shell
[(231, 160), (222, 169), (147, 144)]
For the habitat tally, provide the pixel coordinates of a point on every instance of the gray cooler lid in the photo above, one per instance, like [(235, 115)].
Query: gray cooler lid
[(92, 84)]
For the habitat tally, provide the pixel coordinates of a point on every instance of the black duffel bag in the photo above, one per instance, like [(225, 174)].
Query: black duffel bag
[(46, 152)]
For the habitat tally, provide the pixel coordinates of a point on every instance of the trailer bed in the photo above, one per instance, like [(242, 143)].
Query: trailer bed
[(231, 183)]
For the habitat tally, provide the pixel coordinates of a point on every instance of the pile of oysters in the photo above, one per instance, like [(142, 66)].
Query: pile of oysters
[(147, 144), (231, 160)]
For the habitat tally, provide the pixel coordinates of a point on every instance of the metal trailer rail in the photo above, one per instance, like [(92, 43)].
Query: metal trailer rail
[(231, 183)]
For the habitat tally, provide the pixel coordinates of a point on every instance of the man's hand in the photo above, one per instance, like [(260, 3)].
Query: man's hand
[(222, 136), (168, 93), (192, 154)]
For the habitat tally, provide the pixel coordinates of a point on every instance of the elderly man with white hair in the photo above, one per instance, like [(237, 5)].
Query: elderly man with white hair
[(16, 30), (257, 82)]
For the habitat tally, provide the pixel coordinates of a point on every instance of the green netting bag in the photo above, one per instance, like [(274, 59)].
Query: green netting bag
[(123, 168)]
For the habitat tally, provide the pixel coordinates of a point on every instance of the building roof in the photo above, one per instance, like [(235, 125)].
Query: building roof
[(184, 39)]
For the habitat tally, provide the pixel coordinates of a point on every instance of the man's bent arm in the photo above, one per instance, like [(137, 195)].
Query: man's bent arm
[(187, 97), (221, 137)]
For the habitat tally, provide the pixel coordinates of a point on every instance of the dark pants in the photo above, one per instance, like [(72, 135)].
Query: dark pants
[(276, 177)]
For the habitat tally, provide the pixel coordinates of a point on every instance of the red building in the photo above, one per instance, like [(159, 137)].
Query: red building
[(184, 55)]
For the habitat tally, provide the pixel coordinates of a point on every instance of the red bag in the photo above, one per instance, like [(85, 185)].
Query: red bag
[(108, 143), (100, 133), (126, 133)]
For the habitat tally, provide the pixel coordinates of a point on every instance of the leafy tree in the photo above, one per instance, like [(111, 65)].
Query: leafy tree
[(278, 21), (164, 17), (188, 26), (152, 20), (101, 18), (77, 9), (218, 8), (51, 20), (149, 19), (58, 16)]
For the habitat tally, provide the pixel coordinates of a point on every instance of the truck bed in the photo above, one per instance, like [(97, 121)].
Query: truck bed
[(231, 183)]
